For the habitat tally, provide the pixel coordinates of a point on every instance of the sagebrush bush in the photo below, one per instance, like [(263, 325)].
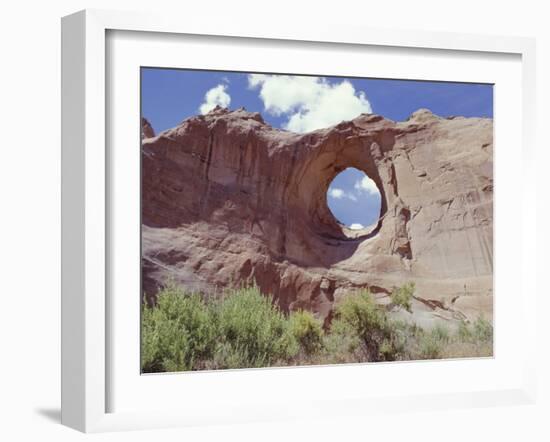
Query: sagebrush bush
[(430, 347), (177, 332), (483, 330), (244, 328), (473, 339), (398, 343), (342, 344), (402, 296), (253, 332), (464, 332), (359, 315), (440, 333), (307, 331), (480, 330)]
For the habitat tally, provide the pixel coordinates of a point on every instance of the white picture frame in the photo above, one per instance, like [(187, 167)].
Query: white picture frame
[(85, 210)]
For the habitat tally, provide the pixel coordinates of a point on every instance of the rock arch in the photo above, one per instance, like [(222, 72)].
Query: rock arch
[(227, 197)]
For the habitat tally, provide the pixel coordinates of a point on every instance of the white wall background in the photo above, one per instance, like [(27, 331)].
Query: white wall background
[(30, 216)]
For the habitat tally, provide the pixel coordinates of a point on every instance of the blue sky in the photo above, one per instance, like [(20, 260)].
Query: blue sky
[(301, 104), (354, 199)]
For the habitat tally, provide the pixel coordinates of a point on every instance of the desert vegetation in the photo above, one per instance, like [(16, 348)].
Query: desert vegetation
[(245, 329)]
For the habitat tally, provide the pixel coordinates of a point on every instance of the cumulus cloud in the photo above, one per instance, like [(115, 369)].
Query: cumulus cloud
[(356, 226), (309, 103), (217, 96), (366, 185), (336, 193)]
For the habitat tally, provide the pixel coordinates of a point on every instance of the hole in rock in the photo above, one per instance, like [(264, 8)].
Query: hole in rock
[(355, 201)]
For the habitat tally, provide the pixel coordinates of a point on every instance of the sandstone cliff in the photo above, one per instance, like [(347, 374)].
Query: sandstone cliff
[(228, 198), (146, 129)]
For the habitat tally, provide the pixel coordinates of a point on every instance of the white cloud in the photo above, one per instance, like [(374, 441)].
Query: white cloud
[(338, 194), (217, 96), (356, 226), (366, 185), (309, 102)]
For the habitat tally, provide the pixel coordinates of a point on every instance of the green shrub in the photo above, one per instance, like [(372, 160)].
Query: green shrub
[(243, 328), (362, 331), (342, 344), (430, 347), (399, 340), (362, 314), (464, 333), (402, 296), (482, 330), (307, 331), (432, 344), (253, 332), (359, 315), (177, 332), (440, 333)]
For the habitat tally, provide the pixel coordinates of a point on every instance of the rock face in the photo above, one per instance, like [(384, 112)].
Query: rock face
[(227, 198), (146, 129)]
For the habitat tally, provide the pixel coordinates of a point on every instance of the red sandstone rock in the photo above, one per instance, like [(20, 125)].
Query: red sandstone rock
[(146, 129), (227, 198)]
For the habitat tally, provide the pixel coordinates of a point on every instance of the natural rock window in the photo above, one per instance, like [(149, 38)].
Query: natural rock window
[(355, 201)]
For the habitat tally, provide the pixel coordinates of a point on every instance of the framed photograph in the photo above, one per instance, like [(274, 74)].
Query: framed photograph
[(265, 223)]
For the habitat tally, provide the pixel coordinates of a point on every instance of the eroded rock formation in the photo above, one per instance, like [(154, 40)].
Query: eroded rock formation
[(227, 198), (146, 129)]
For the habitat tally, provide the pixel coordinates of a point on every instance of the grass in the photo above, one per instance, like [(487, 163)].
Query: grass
[(245, 329)]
